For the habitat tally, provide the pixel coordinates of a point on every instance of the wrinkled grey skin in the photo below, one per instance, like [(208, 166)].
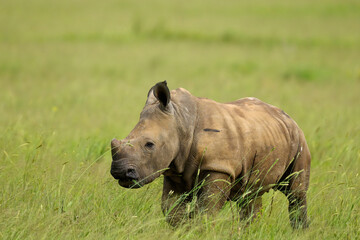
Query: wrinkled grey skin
[(237, 151)]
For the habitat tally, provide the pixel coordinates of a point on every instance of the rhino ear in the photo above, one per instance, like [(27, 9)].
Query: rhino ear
[(162, 93)]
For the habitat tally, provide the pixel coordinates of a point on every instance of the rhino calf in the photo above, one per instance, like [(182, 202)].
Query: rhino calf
[(225, 151)]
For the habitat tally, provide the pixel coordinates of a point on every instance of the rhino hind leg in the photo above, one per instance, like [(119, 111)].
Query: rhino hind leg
[(295, 191), (298, 210)]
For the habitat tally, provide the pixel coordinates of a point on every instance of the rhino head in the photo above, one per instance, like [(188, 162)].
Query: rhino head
[(151, 146)]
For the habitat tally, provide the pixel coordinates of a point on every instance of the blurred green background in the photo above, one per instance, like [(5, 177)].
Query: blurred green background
[(74, 74)]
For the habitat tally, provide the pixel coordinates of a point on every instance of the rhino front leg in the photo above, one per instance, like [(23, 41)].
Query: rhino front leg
[(174, 203), (250, 209), (214, 192)]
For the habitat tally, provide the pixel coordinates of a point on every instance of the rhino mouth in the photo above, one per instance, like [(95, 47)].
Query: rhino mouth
[(129, 176), (130, 184), (127, 183)]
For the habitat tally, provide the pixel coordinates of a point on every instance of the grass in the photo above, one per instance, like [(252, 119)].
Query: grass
[(74, 75)]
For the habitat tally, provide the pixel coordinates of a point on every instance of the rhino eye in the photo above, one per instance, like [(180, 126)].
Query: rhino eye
[(149, 145)]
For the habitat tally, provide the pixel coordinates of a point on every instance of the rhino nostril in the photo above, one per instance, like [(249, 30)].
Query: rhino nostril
[(131, 174)]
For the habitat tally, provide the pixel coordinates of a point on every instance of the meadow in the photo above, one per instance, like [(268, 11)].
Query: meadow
[(74, 74)]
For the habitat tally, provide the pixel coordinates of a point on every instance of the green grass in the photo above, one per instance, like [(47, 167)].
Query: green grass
[(74, 74)]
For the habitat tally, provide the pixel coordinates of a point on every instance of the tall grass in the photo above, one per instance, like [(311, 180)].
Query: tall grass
[(74, 75)]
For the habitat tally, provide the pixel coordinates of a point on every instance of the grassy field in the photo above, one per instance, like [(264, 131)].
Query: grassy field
[(75, 74)]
